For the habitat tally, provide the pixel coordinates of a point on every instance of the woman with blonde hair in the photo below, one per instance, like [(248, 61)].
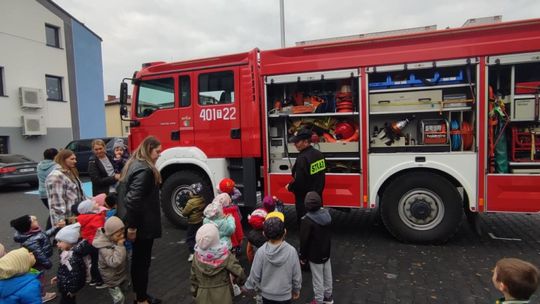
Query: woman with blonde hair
[(101, 169), (64, 188), (138, 206)]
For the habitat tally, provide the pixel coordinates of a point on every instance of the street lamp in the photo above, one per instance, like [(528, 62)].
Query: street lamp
[(282, 22)]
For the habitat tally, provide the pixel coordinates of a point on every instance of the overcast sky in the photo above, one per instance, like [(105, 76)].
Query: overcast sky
[(137, 31)]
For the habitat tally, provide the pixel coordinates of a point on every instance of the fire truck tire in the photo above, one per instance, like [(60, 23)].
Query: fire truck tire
[(421, 207), (174, 194)]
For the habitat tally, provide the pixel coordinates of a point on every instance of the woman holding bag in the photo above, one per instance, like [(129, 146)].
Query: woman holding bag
[(138, 205)]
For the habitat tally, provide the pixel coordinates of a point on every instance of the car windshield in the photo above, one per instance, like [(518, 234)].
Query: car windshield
[(13, 158)]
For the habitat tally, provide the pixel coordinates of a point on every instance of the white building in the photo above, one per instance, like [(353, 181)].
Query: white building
[(50, 73)]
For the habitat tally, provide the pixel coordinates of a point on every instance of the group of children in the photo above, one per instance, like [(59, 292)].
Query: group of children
[(97, 236), (275, 274), (214, 239)]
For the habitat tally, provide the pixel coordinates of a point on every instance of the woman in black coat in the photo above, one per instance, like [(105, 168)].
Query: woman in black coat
[(101, 169), (138, 205)]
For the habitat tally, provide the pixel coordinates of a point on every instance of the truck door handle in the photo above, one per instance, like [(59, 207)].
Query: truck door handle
[(175, 135), (235, 133)]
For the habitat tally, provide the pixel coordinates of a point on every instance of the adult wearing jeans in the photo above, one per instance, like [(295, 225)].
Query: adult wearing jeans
[(44, 168), (138, 205), (101, 169)]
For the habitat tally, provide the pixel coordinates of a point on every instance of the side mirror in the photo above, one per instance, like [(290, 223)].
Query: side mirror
[(123, 110), (123, 99), (123, 93)]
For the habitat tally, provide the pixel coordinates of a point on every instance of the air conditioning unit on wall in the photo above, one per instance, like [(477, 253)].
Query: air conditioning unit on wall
[(33, 125), (31, 98)]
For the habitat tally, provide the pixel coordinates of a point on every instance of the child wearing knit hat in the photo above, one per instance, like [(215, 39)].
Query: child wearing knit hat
[(72, 269), (232, 210), (109, 241), (92, 217), (228, 186), (315, 245), (255, 236), (121, 155), (213, 265), (194, 212), (18, 281), (272, 203), (28, 233), (213, 213)]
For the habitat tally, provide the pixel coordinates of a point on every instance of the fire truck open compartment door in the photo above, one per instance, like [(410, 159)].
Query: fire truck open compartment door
[(217, 112), (514, 173), (327, 103)]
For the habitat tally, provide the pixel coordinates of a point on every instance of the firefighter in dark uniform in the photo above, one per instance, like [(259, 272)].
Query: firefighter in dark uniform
[(308, 171)]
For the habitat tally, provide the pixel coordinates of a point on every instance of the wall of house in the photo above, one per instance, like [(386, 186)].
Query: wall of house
[(88, 81), (115, 126), (26, 59)]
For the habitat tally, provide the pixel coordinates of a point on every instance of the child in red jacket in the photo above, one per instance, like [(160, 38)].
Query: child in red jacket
[(229, 209), (91, 219)]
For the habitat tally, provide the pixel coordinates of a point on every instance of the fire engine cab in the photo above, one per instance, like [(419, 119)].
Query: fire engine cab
[(424, 127)]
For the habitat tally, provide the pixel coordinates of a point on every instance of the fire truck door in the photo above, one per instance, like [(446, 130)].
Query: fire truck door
[(217, 113), (155, 111), (185, 111)]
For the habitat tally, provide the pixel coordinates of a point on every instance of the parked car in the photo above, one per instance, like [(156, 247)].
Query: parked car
[(83, 150), (17, 169)]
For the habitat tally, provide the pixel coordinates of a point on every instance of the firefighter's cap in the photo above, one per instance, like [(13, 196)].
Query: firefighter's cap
[(301, 135)]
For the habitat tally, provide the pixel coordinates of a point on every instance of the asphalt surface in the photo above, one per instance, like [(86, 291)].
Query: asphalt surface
[(369, 266)]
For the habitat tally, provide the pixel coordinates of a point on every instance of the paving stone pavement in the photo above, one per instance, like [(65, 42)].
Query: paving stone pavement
[(369, 266)]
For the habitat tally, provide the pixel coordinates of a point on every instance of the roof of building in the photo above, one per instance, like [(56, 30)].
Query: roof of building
[(72, 17)]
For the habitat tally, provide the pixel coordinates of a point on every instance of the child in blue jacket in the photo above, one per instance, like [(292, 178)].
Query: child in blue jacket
[(30, 236), (19, 283)]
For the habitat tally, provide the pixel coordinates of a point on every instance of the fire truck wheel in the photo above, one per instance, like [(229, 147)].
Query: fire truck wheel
[(421, 207), (175, 193)]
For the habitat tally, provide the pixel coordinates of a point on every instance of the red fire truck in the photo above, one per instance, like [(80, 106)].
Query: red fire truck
[(424, 127)]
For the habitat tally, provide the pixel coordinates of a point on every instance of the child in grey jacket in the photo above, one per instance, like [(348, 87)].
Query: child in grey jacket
[(281, 280), (109, 241)]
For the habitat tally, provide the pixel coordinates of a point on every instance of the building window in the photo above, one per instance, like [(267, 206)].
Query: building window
[(216, 88), (4, 144), (54, 88), (2, 93), (51, 33)]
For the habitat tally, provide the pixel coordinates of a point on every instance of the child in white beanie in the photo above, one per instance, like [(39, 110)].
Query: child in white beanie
[(18, 281), (72, 269), (109, 241), (213, 213), (212, 266)]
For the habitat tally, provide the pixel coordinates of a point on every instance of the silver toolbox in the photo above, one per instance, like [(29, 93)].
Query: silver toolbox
[(405, 101), (523, 108)]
